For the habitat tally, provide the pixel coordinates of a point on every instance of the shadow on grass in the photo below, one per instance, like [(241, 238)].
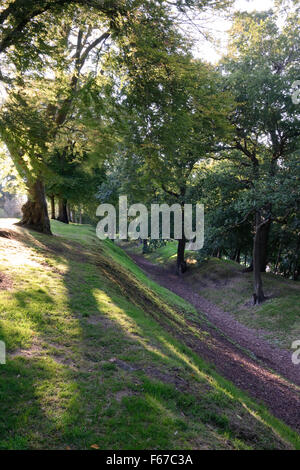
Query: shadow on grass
[(111, 369), (22, 416)]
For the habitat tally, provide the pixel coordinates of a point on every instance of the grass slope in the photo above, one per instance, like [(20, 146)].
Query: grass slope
[(92, 361), (224, 283), (165, 255)]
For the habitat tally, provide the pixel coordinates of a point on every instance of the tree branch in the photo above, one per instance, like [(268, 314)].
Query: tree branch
[(94, 44), (22, 15)]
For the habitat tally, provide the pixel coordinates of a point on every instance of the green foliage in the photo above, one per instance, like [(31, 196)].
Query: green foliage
[(258, 171)]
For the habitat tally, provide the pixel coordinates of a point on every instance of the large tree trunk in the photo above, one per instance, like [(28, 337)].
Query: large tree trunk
[(180, 263), (52, 202), (258, 296), (263, 249), (62, 211), (35, 211)]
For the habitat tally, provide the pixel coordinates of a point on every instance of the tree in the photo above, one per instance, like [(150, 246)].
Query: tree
[(77, 179), (181, 113), (219, 185), (29, 27), (261, 68), (19, 19), (46, 110)]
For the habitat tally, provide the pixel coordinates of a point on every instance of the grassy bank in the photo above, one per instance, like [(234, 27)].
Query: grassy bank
[(92, 361), (225, 284)]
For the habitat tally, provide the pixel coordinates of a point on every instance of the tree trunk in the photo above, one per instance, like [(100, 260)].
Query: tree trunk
[(62, 211), (52, 202), (145, 245), (236, 255), (69, 213), (296, 261), (180, 263), (278, 260), (35, 211), (263, 240), (249, 269), (258, 296)]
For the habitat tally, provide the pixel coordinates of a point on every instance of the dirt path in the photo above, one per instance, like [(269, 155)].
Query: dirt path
[(255, 372)]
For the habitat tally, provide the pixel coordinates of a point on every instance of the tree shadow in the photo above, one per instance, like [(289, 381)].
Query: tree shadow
[(98, 349), (21, 411)]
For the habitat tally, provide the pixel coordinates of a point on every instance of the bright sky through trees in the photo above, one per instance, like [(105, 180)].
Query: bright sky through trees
[(218, 27)]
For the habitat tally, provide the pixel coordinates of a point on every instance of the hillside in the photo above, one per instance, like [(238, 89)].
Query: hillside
[(97, 356), (224, 283)]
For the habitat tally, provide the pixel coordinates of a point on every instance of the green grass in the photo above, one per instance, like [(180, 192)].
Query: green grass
[(224, 283), (93, 358), (165, 255), (123, 259)]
